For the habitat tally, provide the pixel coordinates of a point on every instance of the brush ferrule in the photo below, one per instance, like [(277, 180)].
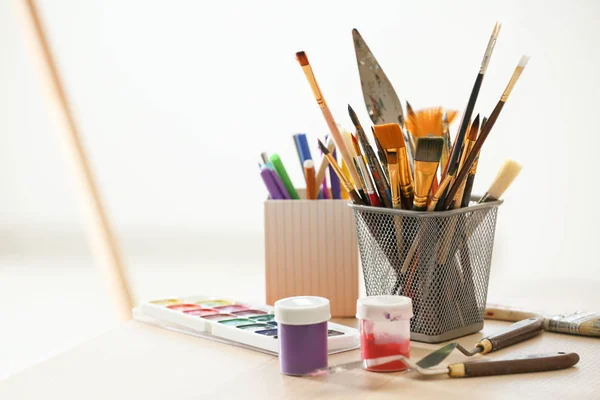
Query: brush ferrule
[(571, 323), (424, 174), (511, 84), (489, 49), (405, 176)]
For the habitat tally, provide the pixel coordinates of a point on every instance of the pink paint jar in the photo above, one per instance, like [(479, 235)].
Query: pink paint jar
[(384, 329), (302, 332)]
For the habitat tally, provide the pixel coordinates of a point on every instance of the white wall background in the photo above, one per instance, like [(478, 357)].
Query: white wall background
[(177, 99)]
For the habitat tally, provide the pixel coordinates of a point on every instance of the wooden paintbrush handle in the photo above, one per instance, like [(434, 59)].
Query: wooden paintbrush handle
[(516, 365), (506, 313), (517, 332), (104, 242)]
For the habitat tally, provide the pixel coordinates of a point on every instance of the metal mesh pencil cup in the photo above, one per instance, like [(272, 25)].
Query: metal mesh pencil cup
[(441, 260)]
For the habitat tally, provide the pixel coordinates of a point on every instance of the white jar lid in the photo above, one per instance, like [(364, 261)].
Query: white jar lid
[(302, 310), (384, 308)]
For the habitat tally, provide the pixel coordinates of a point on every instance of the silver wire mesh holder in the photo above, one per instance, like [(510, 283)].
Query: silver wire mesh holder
[(441, 260)]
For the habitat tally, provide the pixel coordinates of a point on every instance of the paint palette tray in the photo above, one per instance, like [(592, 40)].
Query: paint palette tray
[(238, 323)]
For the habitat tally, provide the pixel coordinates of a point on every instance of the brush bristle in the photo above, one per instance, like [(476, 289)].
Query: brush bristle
[(322, 147), (428, 121), (523, 61), (591, 327), (308, 164), (389, 136), (429, 149), (474, 129), (353, 116), (507, 174), (302, 59)]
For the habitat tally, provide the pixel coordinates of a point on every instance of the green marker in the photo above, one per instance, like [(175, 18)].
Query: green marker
[(280, 169)]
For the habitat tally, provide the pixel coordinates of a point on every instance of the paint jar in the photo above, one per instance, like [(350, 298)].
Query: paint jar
[(384, 329), (302, 332)]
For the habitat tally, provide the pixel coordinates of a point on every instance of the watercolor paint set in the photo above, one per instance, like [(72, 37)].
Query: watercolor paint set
[(243, 324)]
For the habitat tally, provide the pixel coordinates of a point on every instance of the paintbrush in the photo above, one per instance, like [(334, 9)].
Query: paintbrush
[(466, 117), (374, 166), (507, 174), (333, 128), (505, 177), (323, 167), (470, 160), (391, 140), (467, 147), (439, 192), (447, 143), (362, 167), (471, 178), (577, 323), (382, 157), (345, 182), (429, 122), (427, 159)]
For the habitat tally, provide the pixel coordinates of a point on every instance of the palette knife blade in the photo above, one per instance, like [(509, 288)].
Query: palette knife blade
[(380, 97)]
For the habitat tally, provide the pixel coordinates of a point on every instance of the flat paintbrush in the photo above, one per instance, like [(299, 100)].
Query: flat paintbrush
[(427, 158), (466, 117), (505, 177), (391, 139), (345, 182), (462, 174), (507, 174), (577, 323), (376, 170), (333, 128)]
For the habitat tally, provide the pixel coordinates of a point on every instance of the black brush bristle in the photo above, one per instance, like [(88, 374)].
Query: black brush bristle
[(429, 149), (353, 117), (322, 147)]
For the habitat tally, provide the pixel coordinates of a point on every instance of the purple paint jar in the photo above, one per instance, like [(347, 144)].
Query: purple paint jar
[(302, 333)]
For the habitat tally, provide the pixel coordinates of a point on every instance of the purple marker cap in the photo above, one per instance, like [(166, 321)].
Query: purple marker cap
[(267, 177), (279, 183)]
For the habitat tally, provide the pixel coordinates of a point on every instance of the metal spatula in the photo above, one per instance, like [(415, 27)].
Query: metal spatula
[(515, 365), (512, 334)]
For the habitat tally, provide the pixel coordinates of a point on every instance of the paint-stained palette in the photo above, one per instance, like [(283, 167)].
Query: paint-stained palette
[(231, 321)]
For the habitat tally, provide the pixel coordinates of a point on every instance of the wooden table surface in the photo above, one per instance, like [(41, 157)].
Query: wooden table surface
[(138, 361)]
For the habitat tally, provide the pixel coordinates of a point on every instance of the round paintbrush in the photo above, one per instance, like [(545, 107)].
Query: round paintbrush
[(333, 128), (462, 175)]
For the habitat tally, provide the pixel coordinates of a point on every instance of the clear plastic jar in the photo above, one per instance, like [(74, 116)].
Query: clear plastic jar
[(384, 329)]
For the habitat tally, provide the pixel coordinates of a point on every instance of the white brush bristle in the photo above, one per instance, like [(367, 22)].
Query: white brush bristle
[(507, 174), (309, 164), (523, 61)]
